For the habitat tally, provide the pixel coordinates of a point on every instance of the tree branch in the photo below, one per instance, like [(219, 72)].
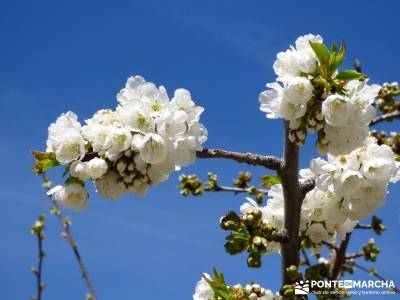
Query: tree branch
[(307, 185), (373, 273), (270, 162), (37, 230), (67, 233), (293, 198), (354, 255), (363, 226), (340, 256), (236, 190), (386, 117)]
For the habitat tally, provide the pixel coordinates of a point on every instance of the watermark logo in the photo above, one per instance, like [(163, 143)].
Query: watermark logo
[(302, 287), (348, 287)]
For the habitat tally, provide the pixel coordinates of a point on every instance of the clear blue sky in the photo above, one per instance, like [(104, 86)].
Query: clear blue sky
[(75, 55)]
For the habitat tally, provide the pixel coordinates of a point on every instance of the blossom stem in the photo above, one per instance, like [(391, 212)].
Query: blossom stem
[(270, 162), (67, 233)]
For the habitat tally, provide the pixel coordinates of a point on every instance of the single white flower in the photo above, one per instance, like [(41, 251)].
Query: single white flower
[(336, 110), (110, 186), (73, 195), (153, 149), (203, 290), (136, 117), (79, 170), (317, 233), (65, 138), (97, 167), (121, 139), (297, 90)]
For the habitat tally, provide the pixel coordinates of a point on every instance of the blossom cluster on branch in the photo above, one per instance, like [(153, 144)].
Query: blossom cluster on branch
[(348, 188), (214, 288), (139, 144), (313, 96)]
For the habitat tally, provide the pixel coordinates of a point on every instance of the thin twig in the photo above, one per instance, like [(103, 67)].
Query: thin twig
[(67, 233), (39, 283), (373, 273), (330, 246), (363, 226), (270, 162), (386, 117), (233, 189), (306, 258), (354, 255), (38, 230)]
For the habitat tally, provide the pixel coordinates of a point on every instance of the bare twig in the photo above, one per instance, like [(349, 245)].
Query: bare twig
[(293, 198), (330, 246), (354, 255), (270, 162), (363, 226), (386, 117), (373, 272), (67, 233), (37, 230), (340, 256), (236, 190)]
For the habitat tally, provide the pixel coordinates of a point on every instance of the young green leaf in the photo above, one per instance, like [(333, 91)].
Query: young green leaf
[(336, 60), (350, 75), (322, 53), (269, 180), (44, 161)]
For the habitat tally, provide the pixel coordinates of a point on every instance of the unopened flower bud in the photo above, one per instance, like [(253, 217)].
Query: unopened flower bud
[(294, 124), (253, 296)]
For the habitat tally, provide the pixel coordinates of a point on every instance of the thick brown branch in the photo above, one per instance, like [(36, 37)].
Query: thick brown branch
[(67, 233), (269, 162), (307, 185), (293, 198), (386, 117), (340, 256)]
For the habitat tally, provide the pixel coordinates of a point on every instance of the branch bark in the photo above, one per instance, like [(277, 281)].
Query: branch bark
[(293, 198), (386, 117), (236, 190), (38, 271), (270, 162)]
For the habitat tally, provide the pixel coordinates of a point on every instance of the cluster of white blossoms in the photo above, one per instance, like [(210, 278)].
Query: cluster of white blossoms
[(341, 119), (252, 291), (348, 188), (141, 143)]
